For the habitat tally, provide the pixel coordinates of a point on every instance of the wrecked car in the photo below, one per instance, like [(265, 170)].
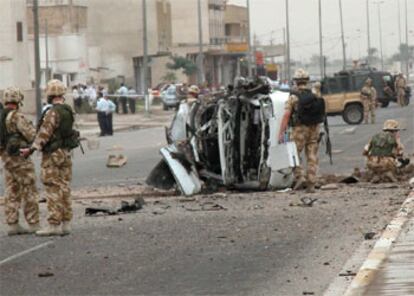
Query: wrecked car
[(229, 140)]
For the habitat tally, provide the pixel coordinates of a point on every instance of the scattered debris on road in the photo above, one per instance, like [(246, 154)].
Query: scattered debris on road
[(306, 202), (45, 274), (330, 187), (369, 235), (125, 208), (116, 161), (348, 273)]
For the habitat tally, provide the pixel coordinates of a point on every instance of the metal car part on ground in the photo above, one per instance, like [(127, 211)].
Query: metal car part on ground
[(227, 140)]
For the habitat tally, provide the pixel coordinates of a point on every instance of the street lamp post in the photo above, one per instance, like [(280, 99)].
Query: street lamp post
[(368, 37), (249, 41), (342, 36), (407, 67), (200, 58), (145, 58), (321, 60), (287, 41), (37, 58), (380, 32)]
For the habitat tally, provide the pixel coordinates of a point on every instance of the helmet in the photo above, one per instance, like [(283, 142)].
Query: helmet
[(301, 74), (194, 89), (391, 125), (56, 88), (13, 95), (368, 81), (317, 85)]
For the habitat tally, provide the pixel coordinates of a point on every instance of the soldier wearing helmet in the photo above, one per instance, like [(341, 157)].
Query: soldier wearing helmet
[(304, 112), (193, 93), (369, 100), (18, 132), (55, 138), (400, 86), (383, 152)]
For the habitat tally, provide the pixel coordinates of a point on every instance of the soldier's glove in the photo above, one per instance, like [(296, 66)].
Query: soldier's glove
[(26, 152), (403, 162)]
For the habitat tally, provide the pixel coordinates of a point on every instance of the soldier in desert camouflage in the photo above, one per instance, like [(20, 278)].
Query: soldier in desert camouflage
[(369, 100), (383, 151), (17, 132), (55, 140), (304, 111)]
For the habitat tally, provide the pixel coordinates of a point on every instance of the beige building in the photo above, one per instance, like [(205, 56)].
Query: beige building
[(63, 47), (14, 46)]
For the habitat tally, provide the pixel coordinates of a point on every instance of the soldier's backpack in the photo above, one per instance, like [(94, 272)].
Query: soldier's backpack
[(3, 130), (382, 144), (10, 142), (311, 109)]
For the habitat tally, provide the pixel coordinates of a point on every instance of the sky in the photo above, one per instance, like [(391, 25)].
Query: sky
[(268, 21)]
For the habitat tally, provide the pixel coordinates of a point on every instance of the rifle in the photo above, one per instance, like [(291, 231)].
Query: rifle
[(328, 140)]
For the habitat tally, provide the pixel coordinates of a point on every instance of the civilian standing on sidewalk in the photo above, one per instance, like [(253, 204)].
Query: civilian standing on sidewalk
[(111, 109), (102, 108), (132, 100), (123, 92)]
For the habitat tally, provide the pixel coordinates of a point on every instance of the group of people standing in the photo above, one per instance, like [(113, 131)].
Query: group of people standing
[(54, 138), (305, 111)]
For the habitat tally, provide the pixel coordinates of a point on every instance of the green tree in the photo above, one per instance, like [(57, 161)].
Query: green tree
[(182, 63), (169, 77)]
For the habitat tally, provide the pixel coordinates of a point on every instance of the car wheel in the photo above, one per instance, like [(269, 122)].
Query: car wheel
[(385, 104), (164, 107), (353, 114), (406, 100)]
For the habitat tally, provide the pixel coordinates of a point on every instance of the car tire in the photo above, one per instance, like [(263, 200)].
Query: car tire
[(164, 107), (385, 104), (353, 114)]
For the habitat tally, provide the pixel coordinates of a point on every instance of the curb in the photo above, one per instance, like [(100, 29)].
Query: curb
[(382, 247), (87, 133)]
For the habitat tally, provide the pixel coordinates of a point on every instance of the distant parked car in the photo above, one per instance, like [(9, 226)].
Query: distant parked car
[(274, 84), (157, 91), (170, 98)]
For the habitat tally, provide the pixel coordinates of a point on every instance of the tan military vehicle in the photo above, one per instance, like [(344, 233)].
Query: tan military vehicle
[(342, 93)]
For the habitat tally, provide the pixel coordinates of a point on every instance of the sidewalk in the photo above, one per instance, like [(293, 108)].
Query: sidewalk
[(389, 268), (88, 124)]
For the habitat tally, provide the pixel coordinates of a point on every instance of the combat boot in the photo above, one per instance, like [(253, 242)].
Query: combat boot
[(299, 184), (390, 176), (33, 228), (310, 188), (66, 228), (50, 230), (16, 229)]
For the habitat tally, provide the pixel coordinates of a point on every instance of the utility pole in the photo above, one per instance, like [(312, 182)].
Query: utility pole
[(407, 66), (399, 23), (368, 37), (287, 41), (284, 55), (380, 33), (249, 42), (145, 58), (342, 36), (47, 76), (321, 60), (37, 59), (200, 57)]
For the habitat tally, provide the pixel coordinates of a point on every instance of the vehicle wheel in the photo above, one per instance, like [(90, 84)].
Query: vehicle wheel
[(385, 104), (177, 107), (164, 107), (406, 101), (353, 114)]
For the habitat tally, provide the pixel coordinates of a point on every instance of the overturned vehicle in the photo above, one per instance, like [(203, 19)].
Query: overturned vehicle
[(227, 140)]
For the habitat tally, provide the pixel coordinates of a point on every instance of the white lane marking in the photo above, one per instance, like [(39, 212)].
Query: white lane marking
[(25, 252)]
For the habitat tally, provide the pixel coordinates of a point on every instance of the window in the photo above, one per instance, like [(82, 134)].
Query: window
[(19, 28)]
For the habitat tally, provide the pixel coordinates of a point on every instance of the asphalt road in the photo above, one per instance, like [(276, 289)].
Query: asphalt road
[(261, 244)]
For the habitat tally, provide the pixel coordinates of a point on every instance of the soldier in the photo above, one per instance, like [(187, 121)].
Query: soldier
[(304, 111), (369, 100), (317, 89), (193, 92), (383, 152), (400, 85), (19, 174), (55, 138)]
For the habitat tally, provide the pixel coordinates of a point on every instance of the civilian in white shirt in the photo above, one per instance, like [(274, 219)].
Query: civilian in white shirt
[(111, 109), (102, 108), (123, 92)]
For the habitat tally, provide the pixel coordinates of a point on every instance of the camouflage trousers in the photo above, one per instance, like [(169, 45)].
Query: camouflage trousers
[(56, 175), (401, 97), (306, 139), (381, 166), (20, 183), (369, 109)]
